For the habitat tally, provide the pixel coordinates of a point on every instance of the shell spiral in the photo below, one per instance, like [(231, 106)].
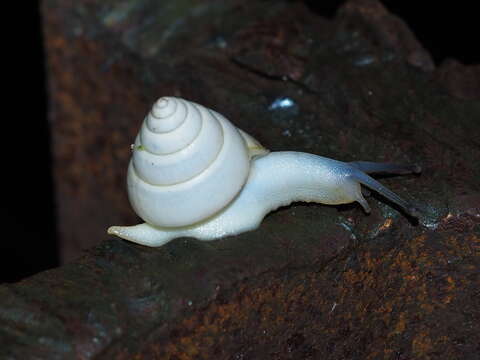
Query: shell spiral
[(188, 163)]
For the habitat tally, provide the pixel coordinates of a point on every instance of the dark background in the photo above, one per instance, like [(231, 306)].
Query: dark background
[(27, 212)]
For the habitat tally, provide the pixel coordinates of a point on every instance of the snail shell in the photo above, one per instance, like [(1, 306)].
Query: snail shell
[(188, 163)]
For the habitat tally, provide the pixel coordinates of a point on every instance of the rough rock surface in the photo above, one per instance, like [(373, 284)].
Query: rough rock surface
[(313, 282)]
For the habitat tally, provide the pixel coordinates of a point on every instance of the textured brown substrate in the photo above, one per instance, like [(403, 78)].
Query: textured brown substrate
[(314, 282)]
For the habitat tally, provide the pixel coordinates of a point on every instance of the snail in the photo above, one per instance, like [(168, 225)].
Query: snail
[(193, 173)]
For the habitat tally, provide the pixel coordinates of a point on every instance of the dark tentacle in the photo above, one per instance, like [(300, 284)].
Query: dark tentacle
[(373, 184), (387, 168)]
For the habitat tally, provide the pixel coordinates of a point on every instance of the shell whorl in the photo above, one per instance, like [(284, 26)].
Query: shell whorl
[(188, 163), (175, 133)]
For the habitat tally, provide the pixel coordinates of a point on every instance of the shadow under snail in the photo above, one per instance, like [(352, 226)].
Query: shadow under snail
[(194, 174)]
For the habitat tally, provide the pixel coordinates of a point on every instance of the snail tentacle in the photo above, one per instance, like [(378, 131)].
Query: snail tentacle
[(387, 168), (373, 184)]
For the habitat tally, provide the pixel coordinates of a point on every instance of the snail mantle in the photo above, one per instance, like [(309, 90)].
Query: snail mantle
[(193, 173)]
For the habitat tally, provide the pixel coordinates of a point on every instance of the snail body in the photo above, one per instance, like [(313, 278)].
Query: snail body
[(187, 186)]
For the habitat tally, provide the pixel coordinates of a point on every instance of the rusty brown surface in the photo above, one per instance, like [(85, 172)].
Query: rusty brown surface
[(461, 81), (379, 302), (313, 282)]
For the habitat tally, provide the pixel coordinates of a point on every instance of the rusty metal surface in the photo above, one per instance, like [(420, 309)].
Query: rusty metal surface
[(313, 282)]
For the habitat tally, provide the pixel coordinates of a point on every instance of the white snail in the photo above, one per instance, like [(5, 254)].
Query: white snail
[(193, 173)]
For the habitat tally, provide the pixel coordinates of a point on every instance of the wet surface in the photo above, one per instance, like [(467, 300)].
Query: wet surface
[(313, 281)]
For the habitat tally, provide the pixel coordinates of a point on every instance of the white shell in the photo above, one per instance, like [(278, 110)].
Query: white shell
[(188, 163)]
